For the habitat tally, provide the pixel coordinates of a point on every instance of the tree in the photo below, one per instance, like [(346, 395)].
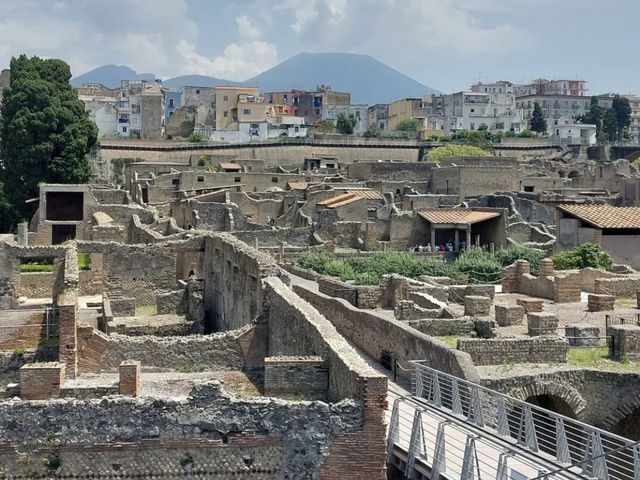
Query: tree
[(372, 132), (327, 126), (453, 150), (409, 125), (346, 123), (538, 124), (610, 125), (46, 133), (622, 110), (593, 116)]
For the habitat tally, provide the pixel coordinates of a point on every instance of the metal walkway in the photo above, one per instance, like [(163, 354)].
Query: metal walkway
[(451, 429)]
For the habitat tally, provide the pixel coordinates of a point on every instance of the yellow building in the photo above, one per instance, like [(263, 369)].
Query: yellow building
[(406, 109), (227, 104)]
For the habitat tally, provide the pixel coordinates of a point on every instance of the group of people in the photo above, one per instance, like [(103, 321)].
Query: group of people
[(445, 247)]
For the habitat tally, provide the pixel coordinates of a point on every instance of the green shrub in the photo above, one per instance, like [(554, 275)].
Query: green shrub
[(479, 265), (506, 256), (452, 150), (342, 270), (19, 351), (583, 256), (196, 138), (315, 261)]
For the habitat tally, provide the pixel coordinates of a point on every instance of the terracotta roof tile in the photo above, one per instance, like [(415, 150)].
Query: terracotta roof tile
[(350, 196), (605, 216), (457, 216), (298, 185), (230, 166)]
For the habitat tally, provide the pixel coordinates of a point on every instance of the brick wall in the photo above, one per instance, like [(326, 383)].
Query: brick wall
[(626, 342), (36, 284), (39, 381), (21, 329), (287, 377), (496, 351)]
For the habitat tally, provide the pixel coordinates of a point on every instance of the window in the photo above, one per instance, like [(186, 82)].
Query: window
[(175, 181), (200, 178), (371, 213), (330, 165), (170, 114), (197, 91), (528, 188), (284, 98), (171, 103), (225, 114), (246, 111), (270, 98), (381, 125), (237, 179), (274, 179), (225, 98), (124, 129)]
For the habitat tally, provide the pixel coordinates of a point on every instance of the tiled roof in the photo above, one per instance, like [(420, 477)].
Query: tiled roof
[(456, 216), (298, 185), (605, 216), (350, 196), (230, 166)]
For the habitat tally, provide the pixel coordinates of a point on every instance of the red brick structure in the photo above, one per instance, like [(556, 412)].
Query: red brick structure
[(40, 381), (129, 383)]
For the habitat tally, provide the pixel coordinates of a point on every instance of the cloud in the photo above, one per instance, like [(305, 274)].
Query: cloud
[(246, 29), (390, 26)]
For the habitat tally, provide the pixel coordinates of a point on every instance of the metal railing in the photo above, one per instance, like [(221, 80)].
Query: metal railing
[(569, 445)]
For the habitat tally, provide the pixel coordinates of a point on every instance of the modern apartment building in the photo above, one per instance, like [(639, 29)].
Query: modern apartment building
[(407, 109), (471, 110), (226, 103)]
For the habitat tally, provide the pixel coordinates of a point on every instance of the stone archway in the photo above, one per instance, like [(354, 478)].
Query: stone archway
[(625, 420), (556, 397)]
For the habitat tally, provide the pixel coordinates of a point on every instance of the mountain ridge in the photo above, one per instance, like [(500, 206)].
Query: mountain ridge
[(367, 79)]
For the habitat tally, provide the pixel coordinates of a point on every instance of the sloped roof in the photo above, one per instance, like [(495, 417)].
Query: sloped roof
[(605, 216), (350, 196), (456, 216), (298, 185), (230, 166)]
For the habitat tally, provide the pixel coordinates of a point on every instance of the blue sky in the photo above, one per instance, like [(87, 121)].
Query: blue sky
[(446, 44)]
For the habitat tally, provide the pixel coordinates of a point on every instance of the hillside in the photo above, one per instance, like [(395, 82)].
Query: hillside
[(110, 76), (368, 80)]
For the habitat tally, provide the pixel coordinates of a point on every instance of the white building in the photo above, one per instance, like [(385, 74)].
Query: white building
[(472, 110), (331, 112), (573, 134), (104, 113), (271, 127)]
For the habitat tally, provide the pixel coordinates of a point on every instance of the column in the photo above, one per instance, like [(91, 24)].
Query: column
[(478, 241), (456, 239), (433, 238), (468, 238)]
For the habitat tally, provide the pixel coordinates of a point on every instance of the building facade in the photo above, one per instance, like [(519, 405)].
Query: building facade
[(204, 101), (407, 109), (472, 110), (378, 116)]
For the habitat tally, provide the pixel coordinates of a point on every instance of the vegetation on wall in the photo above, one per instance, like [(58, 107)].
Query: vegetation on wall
[(346, 123), (409, 125), (472, 266), (583, 256), (46, 135), (118, 166)]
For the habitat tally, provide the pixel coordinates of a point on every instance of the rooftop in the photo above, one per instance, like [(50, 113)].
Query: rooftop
[(350, 196), (605, 216), (456, 216)]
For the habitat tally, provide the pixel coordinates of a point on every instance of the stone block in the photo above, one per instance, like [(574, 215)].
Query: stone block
[(129, 381), (583, 336), (542, 323), (40, 381), (507, 315), (475, 305), (598, 302), (625, 342), (530, 305), (123, 307)]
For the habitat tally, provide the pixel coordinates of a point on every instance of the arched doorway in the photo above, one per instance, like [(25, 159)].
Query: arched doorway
[(554, 403), (629, 426)]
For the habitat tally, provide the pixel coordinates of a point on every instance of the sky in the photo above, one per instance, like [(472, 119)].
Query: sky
[(445, 44)]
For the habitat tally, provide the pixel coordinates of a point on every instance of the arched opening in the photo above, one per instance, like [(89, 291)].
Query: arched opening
[(554, 403), (629, 426)]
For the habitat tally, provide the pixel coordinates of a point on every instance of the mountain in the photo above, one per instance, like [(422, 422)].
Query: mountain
[(110, 76), (196, 81), (368, 80)]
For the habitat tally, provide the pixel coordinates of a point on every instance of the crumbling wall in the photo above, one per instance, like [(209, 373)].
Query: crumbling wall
[(208, 432), (496, 351)]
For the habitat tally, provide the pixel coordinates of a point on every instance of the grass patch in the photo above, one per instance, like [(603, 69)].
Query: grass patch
[(34, 267), (450, 340), (626, 302), (84, 261), (146, 310), (598, 358)]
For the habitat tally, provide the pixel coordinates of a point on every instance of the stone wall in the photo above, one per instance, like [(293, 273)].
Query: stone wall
[(375, 334), (232, 274), (36, 284), (361, 296), (208, 432), (559, 287), (626, 342), (296, 377), (295, 328), (618, 287), (11, 362), (22, 329), (219, 351), (496, 351)]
